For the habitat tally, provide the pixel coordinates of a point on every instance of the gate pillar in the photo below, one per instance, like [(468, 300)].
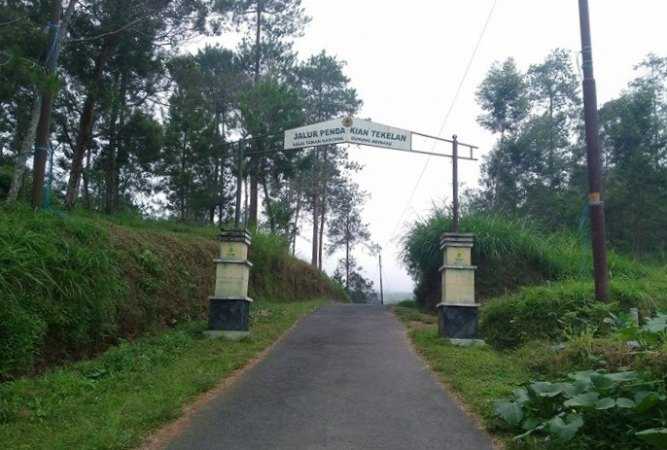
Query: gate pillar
[(458, 311), (229, 308)]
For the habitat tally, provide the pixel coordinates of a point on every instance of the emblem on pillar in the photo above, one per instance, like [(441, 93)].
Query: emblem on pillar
[(229, 308), (458, 310)]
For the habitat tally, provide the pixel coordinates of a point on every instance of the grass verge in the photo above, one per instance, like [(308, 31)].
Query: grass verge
[(72, 285), (115, 400), (476, 375)]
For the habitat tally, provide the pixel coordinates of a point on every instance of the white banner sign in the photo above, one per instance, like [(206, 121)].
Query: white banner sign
[(352, 131)]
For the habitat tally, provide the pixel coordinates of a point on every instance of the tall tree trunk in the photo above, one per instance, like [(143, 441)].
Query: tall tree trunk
[(323, 207), (258, 39), (109, 156), (116, 190), (221, 181), (86, 123), (41, 149), (267, 200), (254, 175), (86, 181), (254, 198), (295, 230), (24, 150), (246, 207), (215, 197), (183, 183), (215, 191), (58, 33)]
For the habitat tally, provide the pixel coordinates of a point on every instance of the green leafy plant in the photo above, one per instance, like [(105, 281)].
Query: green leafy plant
[(651, 335), (597, 409)]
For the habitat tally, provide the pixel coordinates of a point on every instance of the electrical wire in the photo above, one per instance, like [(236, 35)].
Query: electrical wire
[(447, 116)]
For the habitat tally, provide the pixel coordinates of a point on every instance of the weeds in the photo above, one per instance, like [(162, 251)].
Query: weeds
[(601, 410)]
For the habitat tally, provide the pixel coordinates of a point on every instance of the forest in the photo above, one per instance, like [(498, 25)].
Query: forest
[(124, 107), (537, 169)]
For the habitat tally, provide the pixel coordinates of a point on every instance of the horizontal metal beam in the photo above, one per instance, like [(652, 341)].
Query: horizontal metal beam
[(461, 144), (420, 152), (278, 138)]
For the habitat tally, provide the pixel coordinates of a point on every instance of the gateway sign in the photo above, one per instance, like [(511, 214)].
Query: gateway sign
[(351, 131)]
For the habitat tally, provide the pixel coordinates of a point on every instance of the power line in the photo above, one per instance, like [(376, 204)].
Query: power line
[(449, 113)]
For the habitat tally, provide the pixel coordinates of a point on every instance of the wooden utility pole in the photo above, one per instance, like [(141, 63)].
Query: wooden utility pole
[(379, 250), (595, 202)]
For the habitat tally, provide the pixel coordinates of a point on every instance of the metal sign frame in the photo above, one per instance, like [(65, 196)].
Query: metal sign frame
[(241, 155)]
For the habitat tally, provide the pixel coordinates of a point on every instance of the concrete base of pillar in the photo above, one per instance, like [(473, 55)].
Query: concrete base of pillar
[(467, 342), (229, 335), (458, 321), (229, 315)]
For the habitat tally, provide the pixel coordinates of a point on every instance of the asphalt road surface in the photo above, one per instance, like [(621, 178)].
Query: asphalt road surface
[(344, 378)]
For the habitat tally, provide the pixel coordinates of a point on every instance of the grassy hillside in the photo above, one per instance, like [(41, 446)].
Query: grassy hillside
[(72, 285), (509, 254)]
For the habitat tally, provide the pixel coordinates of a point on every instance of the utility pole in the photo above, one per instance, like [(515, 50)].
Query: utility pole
[(380, 264), (595, 202), (455, 184)]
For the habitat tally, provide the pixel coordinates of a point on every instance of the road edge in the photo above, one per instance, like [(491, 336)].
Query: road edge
[(163, 436), (447, 388)]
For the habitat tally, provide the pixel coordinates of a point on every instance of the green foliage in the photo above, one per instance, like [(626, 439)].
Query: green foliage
[(632, 129), (552, 310), (509, 254), (71, 285), (504, 98), (407, 304), (59, 281), (116, 400), (652, 335), (537, 168), (600, 410)]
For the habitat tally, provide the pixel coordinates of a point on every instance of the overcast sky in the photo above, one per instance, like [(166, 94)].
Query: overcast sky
[(406, 60)]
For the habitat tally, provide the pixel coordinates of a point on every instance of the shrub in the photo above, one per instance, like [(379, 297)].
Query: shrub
[(540, 313), (591, 409), (508, 253), (548, 312)]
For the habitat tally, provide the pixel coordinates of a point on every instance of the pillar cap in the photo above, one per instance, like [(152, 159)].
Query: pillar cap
[(235, 236)]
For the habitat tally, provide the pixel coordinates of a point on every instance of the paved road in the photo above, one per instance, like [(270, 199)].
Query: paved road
[(345, 378)]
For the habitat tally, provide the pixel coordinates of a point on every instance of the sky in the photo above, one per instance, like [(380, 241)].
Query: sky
[(407, 59)]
